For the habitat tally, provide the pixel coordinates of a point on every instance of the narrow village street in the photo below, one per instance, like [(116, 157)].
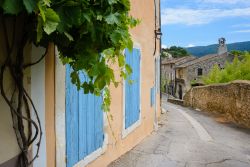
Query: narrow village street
[(189, 138)]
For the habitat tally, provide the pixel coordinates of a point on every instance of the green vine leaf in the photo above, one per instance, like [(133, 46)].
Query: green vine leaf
[(29, 5), (112, 18), (112, 1), (129, 70), (99, 17), (52, 21), (39, 29), (42, 11), (69, 36), (90, 36), (121, 60), (12, 6), (47, 2)]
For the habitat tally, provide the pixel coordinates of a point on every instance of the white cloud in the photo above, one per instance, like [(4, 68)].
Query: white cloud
[(190, 45), (164, 46), (200, 16), (242, 31), (225, 1)]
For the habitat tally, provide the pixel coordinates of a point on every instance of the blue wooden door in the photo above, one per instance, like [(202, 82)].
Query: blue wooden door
[(132, 90), (84, 122)]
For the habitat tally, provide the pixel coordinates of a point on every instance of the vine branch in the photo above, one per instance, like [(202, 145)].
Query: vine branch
[(20, 110), (38, 61)]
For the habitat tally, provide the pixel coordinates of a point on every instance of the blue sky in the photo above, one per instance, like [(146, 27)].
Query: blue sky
[(202, 22)]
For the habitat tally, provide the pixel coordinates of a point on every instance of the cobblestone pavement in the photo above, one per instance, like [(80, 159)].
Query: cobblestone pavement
[(188, 138)]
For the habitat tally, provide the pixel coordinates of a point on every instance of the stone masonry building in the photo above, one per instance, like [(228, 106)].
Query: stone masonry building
[(168, 71), (192, 71), (181, 73)]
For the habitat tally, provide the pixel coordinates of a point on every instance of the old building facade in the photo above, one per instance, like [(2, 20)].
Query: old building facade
[(168, 71), (182, 73), (190, 73)]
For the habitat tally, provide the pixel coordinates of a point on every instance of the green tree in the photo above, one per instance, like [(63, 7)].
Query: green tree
[(237, 70), (237, 52), (213, 76), (175, 51)]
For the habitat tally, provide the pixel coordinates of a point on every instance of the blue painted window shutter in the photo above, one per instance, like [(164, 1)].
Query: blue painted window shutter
[(84, 122), (132, 90), (152, 96)]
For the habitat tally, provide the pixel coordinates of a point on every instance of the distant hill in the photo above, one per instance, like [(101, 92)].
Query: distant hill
[(210, 49)]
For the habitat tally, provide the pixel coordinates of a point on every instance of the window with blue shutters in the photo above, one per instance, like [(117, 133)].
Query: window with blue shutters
[(84, 122), (132, 89)]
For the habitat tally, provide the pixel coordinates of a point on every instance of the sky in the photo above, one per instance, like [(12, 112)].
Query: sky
[(189, 23)]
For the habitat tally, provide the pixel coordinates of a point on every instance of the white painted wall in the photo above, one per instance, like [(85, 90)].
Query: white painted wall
[(8, 142), (60, 113), (38, 96)]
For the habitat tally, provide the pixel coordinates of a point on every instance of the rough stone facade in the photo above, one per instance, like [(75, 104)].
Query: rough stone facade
[(168, 71), (189, 72), (205, 66), (232, 100)]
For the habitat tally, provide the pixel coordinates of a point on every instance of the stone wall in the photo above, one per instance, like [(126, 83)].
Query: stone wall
[(232, 100), (176, 101)]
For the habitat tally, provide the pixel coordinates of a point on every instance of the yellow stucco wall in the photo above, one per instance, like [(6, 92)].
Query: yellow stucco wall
[(143, 35)]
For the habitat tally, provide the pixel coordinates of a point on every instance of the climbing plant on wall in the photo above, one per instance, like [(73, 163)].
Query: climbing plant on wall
[(90, 36)]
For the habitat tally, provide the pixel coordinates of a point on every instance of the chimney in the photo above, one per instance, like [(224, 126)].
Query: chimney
[(222, 46)]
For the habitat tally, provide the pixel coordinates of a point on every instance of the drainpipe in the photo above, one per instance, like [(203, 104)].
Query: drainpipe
[(158, 32), (158, 35), (160, 48)]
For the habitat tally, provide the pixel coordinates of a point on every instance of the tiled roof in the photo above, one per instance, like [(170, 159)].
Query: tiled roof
[(177, 60), (203, 58)]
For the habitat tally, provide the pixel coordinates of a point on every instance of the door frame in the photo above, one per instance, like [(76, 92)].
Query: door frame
[(126, 132)]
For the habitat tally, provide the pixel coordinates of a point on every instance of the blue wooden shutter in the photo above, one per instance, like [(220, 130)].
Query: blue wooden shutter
[(84, 122), (152, 96), (132, 91), (72, 125)]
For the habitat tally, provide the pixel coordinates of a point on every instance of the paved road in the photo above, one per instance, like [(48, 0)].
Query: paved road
[(189, 138)]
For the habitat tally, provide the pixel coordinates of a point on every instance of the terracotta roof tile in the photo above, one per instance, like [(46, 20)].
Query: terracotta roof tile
[(203, 58)]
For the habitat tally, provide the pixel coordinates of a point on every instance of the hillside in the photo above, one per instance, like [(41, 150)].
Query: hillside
[(204, 50)]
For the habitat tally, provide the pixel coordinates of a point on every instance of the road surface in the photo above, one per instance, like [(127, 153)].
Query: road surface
[(189, 138)]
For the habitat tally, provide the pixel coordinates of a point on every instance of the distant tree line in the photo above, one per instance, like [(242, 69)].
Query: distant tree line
[(175, 51), (200, 51)]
